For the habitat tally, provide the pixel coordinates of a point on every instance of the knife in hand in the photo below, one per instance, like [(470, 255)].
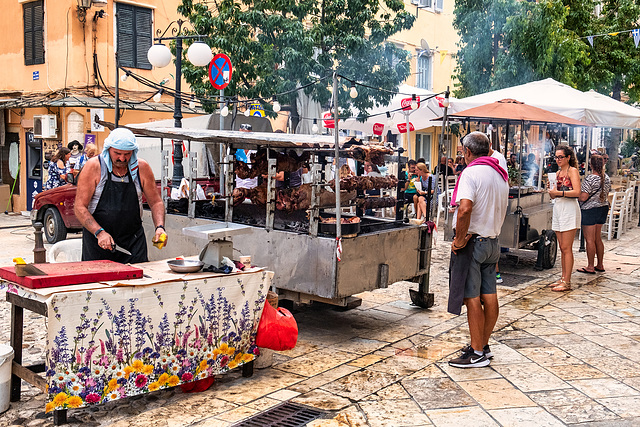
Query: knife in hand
[(115, 247)]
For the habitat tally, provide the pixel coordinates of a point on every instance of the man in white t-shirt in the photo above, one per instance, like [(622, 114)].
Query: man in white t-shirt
[(481, 196)]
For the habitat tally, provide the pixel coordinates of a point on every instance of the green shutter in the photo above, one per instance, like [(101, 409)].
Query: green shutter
[(143, 37), (33, 14), (134, 36), (126, 39), (28, 33)]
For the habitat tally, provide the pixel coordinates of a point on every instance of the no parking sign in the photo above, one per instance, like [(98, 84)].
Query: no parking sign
[(220, 71)]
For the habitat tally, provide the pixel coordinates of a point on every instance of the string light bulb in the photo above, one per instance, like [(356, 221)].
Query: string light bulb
[(414, 102), (247, 112), (225, 110), (124, 77), (314, 128), (192, 103), (446, 102), (353, 93), (157, 96), (276, 105), (389, 120)]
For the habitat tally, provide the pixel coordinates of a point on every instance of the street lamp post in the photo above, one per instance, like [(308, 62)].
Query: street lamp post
[(199, 54)]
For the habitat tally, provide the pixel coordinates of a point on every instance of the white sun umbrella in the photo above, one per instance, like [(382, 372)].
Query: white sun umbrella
[(377, 121), (560, 98), (623, 114)]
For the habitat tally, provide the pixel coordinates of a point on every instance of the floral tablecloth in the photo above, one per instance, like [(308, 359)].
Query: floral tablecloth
[(111, 343)]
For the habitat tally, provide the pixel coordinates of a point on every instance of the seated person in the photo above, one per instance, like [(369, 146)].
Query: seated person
[(409, 186), (420, 199)]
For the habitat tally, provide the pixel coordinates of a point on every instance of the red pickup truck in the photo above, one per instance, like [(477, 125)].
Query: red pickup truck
[(54, 209)]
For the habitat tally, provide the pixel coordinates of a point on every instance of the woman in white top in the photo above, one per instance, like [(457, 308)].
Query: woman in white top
[(566, 211)]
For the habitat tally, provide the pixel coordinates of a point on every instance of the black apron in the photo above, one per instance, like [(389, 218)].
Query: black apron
[(118, 212)]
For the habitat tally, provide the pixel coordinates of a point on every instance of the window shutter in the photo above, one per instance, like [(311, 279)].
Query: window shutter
[(28, 33), (38, 33), (126, 38), (134, 36), (143, 37), (33, 14)]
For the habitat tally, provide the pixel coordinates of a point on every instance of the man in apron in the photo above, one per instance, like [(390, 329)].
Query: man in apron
[(109, 201)]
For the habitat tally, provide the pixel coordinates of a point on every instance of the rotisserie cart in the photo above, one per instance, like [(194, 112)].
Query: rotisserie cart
[(289, 230)]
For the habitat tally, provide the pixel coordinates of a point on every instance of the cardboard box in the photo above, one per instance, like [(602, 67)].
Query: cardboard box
[(5, 191)]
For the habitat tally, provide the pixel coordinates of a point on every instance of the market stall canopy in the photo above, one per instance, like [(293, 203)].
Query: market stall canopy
[(248, 140), (559, 98), (420, 118), (510, 109)]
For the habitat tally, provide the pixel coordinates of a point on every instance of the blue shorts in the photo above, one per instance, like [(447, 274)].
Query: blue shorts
[(481, 279), (595, 216)]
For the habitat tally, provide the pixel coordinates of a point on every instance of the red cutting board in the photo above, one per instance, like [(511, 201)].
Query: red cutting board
[(73, 273)]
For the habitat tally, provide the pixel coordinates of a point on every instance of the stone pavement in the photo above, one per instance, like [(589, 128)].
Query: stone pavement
[(560, 358)]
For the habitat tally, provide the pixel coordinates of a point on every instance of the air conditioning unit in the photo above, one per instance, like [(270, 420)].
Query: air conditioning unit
[(45, 126)]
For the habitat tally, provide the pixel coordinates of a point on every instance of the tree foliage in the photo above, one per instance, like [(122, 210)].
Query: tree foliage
[(276, 46), (509, 42)]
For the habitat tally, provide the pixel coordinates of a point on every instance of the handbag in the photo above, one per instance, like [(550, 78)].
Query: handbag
[(277, 329)]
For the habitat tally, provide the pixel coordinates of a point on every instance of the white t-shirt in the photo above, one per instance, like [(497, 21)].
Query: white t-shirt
[(501, 160), (489, 193)]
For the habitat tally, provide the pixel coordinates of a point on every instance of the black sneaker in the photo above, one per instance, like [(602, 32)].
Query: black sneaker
[(486, 350), (469, 359)]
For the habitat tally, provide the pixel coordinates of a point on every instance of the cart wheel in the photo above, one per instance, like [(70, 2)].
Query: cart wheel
[(548, 249)]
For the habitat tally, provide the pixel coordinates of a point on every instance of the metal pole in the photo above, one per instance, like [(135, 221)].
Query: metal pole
[(406, 119), (117, 108), (178, 171), (440, 154), (336, 177), (221, 153)]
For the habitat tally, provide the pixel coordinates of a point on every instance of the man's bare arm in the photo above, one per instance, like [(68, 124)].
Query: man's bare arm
[(462, 224)]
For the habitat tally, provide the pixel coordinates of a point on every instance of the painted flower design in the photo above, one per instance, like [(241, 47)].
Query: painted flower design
[(117, 350)]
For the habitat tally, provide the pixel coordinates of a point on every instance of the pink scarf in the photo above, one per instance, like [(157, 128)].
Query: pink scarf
[(486, 161)]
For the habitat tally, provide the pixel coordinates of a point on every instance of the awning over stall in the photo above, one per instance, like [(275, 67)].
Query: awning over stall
[(510, 109), (562, 99)]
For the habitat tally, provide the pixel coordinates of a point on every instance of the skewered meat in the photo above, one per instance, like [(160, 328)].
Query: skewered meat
[(370, 153), (257, 195), (364, 183), (376, 202), (289, 199), (243, 170)]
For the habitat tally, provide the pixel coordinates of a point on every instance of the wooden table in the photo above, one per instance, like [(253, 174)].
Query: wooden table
[(114, 340)]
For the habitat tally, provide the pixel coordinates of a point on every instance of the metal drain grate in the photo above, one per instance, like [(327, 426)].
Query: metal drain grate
[(512, 280), (284, 415)]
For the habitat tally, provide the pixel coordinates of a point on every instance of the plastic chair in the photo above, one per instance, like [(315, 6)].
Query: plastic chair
[(616, 217), (65, 251), (629, 193)]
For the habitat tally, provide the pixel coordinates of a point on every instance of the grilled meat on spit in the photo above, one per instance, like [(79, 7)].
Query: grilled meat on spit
[(257, 195), (370, 153), (376, 202), (289, 162), (289, 199), (364, 183)]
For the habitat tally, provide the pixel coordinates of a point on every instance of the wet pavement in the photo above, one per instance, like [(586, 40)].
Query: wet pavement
[(560, 358)]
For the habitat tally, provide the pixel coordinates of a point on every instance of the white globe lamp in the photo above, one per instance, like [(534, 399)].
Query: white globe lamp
[(199, 54), (159, 55)]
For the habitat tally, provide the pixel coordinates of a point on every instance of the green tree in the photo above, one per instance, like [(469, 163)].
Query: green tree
[(539, 46), (480, 24), (276, 46)]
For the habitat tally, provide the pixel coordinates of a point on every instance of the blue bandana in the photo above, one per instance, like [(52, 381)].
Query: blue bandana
[(121, 139)]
